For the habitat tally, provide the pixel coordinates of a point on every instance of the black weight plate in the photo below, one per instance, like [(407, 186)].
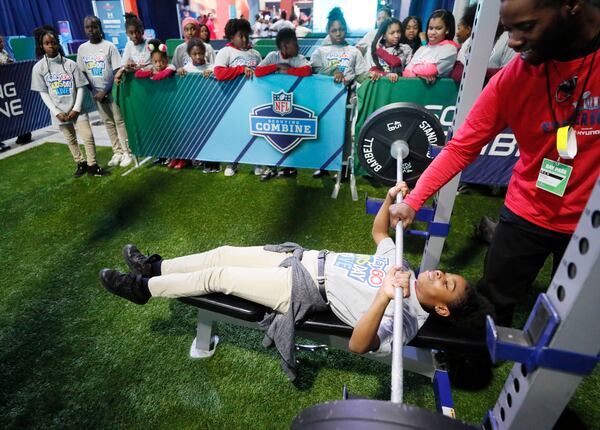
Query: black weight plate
[(373, 415), (398, 121)]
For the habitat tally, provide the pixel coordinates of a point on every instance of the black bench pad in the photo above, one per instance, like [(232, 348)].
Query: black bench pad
[(435, 334), (228, 305)]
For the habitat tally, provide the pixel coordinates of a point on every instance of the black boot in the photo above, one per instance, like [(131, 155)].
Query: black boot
[(126, 285), (138, 263), (81, 169), (23, 139), (96, 170)]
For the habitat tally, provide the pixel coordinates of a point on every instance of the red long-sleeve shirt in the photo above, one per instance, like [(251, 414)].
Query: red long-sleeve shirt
[(517, 97), (298, 65), (231, 62), (272, 68)]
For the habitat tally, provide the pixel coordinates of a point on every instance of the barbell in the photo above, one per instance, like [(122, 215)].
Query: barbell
[(394, 144)]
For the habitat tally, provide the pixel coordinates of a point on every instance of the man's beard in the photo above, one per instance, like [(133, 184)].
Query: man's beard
[(555, 43)]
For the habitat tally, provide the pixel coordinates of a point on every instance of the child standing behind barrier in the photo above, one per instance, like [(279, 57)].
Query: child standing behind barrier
[(387, 56), (99, 59), (4, 57), (412, 34), (237, 58), (161, 68), (136, 54), (189, 28), (286, 60), (437, 58), (204, 34), (60, 84), (336, 57), (197, 51)]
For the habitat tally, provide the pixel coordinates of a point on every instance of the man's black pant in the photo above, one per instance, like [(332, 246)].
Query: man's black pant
[(515, 256)]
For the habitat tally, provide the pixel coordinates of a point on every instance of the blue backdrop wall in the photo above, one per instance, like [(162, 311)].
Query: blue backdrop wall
[(424, 8), (161, 15), (22, 16)]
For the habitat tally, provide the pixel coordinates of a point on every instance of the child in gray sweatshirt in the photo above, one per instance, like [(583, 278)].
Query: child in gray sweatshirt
[(335, 57), (437, 58)]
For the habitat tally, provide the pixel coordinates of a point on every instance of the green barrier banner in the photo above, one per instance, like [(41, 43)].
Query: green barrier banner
[(439, 99)]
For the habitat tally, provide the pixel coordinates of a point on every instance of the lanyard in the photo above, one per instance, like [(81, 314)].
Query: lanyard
[(571, 119)]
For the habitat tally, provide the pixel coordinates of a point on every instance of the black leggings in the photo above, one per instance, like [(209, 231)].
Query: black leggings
[(514, 258)]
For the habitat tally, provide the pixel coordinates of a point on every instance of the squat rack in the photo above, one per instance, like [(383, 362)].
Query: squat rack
[(561, 340)]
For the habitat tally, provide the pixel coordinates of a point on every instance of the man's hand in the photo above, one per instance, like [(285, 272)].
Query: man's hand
[(395, 278), (401, 212), (283, 67), (248, 72), (338, 77), (62, 117), (207, 73), (130, 66), (99, 96), (182, 71)]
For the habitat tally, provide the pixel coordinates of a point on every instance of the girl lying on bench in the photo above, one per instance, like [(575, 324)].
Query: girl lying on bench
[(295, 283)]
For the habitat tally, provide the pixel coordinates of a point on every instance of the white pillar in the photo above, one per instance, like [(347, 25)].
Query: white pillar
[(404, 9), (459, 8)]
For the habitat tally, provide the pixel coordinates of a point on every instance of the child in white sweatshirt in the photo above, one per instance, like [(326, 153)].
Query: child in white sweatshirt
[(60, 83)]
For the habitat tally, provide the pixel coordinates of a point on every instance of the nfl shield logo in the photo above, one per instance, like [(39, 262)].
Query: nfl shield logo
[(282, 102)]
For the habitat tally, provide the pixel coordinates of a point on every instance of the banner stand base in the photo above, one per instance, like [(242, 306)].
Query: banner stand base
[(137, 165), (349, 173)]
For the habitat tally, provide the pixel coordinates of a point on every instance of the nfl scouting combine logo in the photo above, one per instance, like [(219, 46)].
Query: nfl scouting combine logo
[(283, 123)]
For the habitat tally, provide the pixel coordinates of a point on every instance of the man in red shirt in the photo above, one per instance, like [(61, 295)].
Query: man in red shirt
[(554, 82)]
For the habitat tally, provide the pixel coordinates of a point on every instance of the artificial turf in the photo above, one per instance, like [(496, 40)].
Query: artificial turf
[(73, 356)]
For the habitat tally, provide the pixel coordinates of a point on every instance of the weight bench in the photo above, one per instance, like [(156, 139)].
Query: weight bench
[(327, 330)]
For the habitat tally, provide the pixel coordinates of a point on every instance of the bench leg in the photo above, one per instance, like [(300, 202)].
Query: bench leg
[(205, 344), (418, 360), (336, 187)]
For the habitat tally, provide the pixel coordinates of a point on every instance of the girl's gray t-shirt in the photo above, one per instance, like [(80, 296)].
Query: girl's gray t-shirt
[(351, 283), (60, 81), (98, 61), (139, 54)]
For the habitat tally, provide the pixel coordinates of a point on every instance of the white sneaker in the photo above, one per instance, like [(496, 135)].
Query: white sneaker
[(229, 170), (126, 160), (115, 160), (258, 170)]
